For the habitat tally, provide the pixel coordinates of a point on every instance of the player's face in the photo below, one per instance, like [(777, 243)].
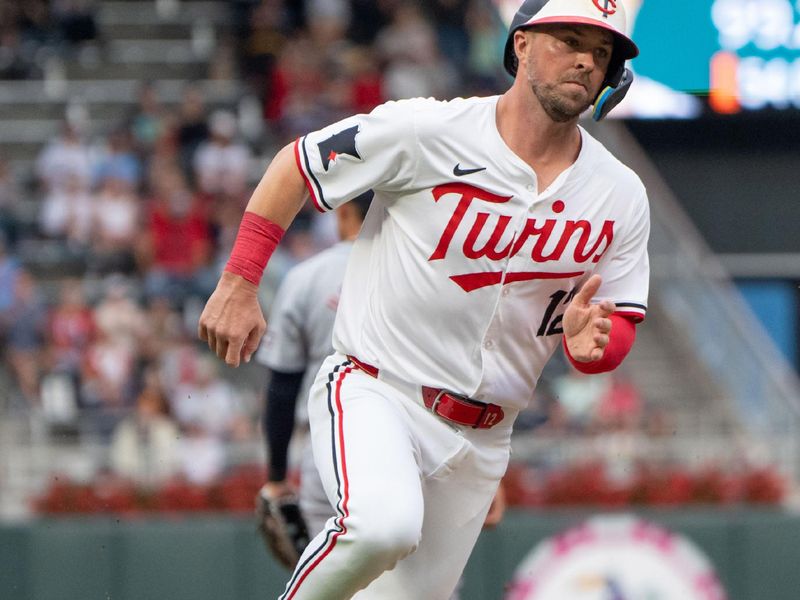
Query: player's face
[(565, 66)]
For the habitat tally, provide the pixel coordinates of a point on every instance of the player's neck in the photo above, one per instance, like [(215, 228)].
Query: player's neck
[(532, 134)]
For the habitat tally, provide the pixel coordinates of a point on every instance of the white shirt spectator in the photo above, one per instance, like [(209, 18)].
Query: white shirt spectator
[(221, 165), (63, 158), (208, 402)]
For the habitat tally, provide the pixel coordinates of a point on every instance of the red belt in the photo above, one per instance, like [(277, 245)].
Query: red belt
[(449, 406)]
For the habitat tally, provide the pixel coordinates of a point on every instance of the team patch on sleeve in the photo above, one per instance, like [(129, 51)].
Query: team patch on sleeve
[(339, 144), (331, 150)]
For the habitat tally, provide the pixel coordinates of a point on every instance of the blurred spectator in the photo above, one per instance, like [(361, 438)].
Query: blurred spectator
[(145, 445), (70, 330), (164, 329), (177, 365), (223, 66), (415, 68), (264, 41), (210, 403), (296, 14), (330, 21), (64, 160), (367, 80), (117, 316), (450, 18), (14, 64), (486, 42), (118, 160), (107, 382), (192, 129), (10, 196), (369, 17), (176, 250), (115, 226), (148, 121), (296, 83), (9, 272), (33, 20), (67, 212), (24, 28), (221, 165), (24, 325), (75, 19)]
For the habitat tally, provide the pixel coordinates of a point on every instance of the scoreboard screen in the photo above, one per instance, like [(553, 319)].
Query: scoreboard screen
[(710, 56)]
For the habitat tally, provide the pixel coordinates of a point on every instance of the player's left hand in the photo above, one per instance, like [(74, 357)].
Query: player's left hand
[(586, 325), (497, 509)]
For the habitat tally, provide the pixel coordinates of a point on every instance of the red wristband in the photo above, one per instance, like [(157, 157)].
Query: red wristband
[(256, 241), (621, 338)]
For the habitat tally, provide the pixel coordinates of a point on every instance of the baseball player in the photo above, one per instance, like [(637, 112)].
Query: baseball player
[(499, 229)]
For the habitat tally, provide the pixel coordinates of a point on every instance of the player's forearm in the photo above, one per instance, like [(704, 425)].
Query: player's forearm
[(281, 193), (273, 206)]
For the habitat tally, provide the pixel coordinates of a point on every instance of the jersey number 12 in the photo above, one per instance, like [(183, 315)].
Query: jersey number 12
[(551, 325)]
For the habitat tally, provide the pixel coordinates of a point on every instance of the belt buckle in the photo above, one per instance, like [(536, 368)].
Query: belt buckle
[(437, 400)]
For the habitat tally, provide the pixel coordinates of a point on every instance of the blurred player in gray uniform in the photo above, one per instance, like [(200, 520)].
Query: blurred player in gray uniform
[(298, 340)]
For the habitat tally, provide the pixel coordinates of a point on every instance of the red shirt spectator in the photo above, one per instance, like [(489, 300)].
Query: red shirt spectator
[(179, 229)]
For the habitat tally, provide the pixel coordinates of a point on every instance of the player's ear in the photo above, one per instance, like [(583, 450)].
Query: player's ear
[(522, 40)]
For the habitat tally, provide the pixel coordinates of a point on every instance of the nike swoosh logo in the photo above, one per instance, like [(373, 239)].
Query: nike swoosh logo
[(459, 172)]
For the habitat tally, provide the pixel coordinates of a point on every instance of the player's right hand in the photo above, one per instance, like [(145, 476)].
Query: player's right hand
[(232, 322)]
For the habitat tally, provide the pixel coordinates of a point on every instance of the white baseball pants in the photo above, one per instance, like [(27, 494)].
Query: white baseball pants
[(410, 490)]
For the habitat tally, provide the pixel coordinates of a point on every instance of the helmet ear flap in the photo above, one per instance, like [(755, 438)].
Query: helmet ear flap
[(613, 91)]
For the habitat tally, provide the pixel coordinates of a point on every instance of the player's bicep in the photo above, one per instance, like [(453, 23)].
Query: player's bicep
[(375, 151)]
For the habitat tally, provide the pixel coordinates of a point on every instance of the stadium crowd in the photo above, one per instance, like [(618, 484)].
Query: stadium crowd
[(142, 218)]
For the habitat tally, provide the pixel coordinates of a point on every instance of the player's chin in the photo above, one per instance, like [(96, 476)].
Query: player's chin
[(570, 105), (577, 100)]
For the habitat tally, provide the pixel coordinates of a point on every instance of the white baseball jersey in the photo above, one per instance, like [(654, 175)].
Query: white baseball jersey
[(463, 268), (298, 334)]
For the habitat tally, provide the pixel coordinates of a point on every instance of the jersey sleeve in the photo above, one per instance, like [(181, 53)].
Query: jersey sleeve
[(626, 270), (285, 346), (369, 151)]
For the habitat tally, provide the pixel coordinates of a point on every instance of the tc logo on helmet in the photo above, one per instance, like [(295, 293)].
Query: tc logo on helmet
[(607, 7)]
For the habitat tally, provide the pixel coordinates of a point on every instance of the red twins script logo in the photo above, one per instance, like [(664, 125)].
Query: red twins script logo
[(607, 7), (563, 230)]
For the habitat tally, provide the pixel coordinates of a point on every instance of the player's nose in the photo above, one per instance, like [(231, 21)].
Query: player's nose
[(584, 61)]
